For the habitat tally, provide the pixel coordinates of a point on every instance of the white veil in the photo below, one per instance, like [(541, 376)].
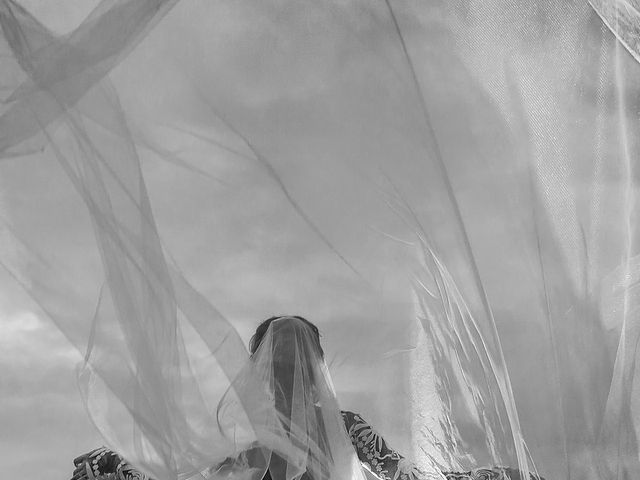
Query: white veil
[(455, 182), (284, 401)]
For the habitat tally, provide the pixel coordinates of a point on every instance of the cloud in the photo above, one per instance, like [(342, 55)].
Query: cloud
[(44, 425)]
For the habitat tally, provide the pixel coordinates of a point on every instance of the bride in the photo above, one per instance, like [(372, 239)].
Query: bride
[(301, 432)]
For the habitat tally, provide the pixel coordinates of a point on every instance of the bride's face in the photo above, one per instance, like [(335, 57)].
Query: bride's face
[(294, 354), (289, 345)]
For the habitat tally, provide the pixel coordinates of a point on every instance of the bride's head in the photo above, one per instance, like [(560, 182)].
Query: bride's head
[(287, 355), (285, 323)]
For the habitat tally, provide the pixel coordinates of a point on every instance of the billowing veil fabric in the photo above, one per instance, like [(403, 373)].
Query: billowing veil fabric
[(449, 189)]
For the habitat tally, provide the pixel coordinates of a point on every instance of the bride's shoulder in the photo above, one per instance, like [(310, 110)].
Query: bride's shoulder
[(353, 420)]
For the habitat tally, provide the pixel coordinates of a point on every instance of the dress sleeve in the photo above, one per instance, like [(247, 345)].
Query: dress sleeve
[(109, 465), (387, 464), (494, 473), (374, 453), (127, 472)]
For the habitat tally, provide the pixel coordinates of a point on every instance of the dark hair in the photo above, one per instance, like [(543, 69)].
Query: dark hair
[(256, 340)]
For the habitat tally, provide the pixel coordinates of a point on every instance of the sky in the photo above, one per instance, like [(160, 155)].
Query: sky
[(288, 166), (44, 423), (238, 240)]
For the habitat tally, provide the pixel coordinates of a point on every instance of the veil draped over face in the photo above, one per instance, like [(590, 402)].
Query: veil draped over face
[(448, 188), (284, 401)]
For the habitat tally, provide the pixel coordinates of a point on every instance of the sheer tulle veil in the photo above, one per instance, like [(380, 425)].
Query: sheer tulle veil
[(449, 189), (284, 400)]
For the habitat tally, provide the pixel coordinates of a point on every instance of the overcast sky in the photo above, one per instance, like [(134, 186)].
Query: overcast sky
[(239, 240)]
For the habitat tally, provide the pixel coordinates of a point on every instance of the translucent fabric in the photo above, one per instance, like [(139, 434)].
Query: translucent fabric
[(284, 404), (449, 189)]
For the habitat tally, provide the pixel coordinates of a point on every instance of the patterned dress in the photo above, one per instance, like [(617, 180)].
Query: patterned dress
[(387, 464), (372, 450)]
